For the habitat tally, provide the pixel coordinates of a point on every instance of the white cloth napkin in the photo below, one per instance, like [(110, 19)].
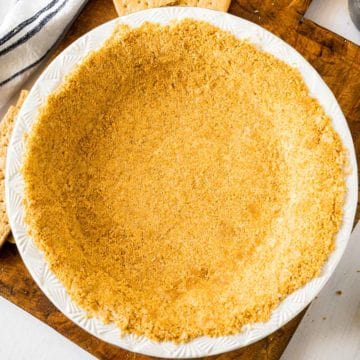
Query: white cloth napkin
[(29, 29)]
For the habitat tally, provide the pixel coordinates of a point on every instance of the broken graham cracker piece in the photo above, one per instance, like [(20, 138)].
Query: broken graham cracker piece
[(6, 127), (124, 7)]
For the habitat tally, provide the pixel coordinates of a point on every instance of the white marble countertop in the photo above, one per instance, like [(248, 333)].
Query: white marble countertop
[(24, 337)]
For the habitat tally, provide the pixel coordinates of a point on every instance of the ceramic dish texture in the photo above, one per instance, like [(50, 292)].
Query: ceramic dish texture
[(33, 258)]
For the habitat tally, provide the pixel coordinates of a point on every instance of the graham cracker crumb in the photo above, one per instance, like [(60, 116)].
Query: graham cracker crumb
[(186, 183)]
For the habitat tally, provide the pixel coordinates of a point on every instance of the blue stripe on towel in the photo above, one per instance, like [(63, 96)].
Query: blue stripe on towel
[(26, 68), (32, 32), (38, 61), (26, 22)]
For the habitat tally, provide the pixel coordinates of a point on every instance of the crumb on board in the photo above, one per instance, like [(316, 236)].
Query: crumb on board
[(339, 292)]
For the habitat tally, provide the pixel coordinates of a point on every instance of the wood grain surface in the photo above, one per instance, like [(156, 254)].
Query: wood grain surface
[(336, 59)]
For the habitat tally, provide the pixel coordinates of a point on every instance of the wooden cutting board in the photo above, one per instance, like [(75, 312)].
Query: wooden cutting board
[(336, 59)]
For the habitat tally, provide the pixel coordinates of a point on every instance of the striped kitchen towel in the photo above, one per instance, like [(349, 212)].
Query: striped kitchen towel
[(29, 30)]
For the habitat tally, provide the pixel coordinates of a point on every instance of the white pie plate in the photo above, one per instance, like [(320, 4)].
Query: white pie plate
[(33, 258)]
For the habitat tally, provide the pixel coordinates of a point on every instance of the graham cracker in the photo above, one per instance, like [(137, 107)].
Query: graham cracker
[(124, 7), (6, 127)]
